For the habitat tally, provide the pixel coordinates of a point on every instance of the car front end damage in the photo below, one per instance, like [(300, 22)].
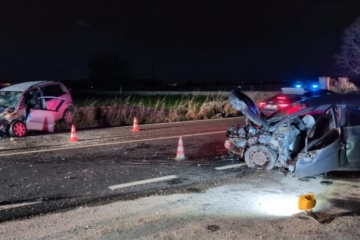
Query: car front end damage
[(8, 116), (259, 147), (272, 142)]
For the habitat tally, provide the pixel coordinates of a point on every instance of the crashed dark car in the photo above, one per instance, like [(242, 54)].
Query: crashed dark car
[(310, 137)]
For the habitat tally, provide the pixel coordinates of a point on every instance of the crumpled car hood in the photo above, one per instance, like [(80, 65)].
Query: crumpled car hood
[(9, 114), (246, 106), (2, 109)]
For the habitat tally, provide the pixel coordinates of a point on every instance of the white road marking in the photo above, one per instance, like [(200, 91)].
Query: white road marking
[(231, 166), (107, 144), (151, 180), (2, 207)]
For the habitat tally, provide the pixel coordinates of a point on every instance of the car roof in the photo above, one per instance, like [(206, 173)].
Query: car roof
[(298, 91), (287, 95), (348, 99), (20, 87), (324, 101), (318, 92)]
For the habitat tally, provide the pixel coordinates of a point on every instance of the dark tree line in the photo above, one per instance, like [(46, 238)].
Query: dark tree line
[(109, 72)]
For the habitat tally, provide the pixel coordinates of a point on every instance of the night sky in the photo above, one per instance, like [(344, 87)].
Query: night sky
[(174, 41)]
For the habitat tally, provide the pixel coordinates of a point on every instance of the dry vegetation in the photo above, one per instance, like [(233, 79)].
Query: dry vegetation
[(117, 111), (120, 111)]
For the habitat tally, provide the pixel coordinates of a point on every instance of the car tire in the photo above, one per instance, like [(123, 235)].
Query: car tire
[(259, 156), (17, 129), (68, 116)]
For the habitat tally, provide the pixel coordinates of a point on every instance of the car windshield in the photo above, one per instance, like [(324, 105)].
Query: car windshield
[(9, 98)]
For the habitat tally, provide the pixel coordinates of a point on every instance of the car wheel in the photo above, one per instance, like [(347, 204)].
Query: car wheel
[(68, 116), (17, 129), (259, 156)]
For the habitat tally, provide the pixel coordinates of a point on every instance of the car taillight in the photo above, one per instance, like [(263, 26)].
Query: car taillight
[(296, 108), (261, 104), (281, 97), (283, 105)]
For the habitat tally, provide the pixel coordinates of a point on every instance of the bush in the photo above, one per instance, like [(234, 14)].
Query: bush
[(120, 111)]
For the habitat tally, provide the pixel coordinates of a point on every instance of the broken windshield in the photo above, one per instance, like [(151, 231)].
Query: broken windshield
[(9, 98)]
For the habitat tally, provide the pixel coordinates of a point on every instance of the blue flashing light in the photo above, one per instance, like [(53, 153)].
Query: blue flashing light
[(298, 86), (314, 87)]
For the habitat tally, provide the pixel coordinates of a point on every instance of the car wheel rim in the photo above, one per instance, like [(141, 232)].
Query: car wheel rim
[(259, 158), (68, 117), (19, 129)]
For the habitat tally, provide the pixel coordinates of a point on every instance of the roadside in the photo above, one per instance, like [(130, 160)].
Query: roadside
[(250, 205), (229, 204)]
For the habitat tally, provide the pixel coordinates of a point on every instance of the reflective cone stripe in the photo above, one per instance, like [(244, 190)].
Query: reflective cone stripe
[(135, 125), (180, 155), (73, 136)]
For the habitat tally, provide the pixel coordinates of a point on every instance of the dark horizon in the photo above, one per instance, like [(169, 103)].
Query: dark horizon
[(175, 41)]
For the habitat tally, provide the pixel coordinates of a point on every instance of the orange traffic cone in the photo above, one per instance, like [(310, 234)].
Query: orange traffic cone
[(180, 155), (135, 125), (73, 136)]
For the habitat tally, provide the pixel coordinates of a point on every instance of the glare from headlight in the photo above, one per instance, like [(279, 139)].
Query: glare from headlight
[(251, 203)]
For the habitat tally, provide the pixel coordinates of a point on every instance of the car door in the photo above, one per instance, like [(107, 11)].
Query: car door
[(323, 147), (352, 134), (53, 99), (38, 117)]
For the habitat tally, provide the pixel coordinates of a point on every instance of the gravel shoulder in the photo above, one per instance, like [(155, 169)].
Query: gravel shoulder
[(250, 205)]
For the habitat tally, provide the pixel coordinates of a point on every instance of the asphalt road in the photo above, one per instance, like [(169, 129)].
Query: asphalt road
[(45, 172)]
